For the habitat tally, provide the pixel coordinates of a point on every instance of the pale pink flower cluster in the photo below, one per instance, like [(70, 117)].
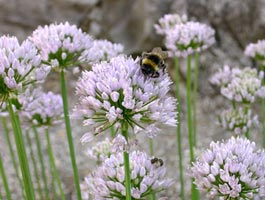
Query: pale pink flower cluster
[(238, 121), (234, 169), (100, 151), (188, 38), (40, 108), (256, 50), (117, 91), (240, 85), (108, 181), (61, 45), (20, 65), (102, 50), (169, 22)]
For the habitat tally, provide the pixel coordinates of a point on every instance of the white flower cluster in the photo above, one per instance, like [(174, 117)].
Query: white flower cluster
[(108, 181), (256, 50), (61, 45), (19, 65), (100, 151), (231, 170), (187, 38), (40, 108), (168, 22), (102, 50), (117, 92), (237, 121), (240, 85)]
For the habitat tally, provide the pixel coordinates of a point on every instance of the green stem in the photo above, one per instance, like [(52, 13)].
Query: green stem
[(151, 146), (189, 111), (43, 174), (246, 107), (263, 110), (182, 193), (194, 192), (151, 149), (3, 174), (195, 92), (112, 131), (12, 153), (53, 165), (29, 190), (35, 168), (127, 171), (69, 135)]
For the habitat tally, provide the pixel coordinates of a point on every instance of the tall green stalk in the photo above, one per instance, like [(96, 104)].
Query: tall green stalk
[(151, 150), (53, 166), (194, 192), (3, 174), (126, 158), (182, 190), (35, 168), (263, 110), (41, 159), (29, 190), (12, 153), (195, 92), (69, 135)]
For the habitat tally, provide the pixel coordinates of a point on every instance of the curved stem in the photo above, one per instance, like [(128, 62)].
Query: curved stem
[(195, 91), (182, 193), (53, 166), (43, 174), (35, 168), (3, 174), (194, 192), (124, 129), (12, 153), (21, 153), (69, 135)]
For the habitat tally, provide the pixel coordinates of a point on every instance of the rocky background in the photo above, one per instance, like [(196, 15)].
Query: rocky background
[(130, 22)]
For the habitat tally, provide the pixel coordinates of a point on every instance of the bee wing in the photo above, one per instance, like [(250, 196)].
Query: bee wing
[(158, 50)]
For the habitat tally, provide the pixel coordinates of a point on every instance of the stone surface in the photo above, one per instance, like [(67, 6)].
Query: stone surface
[(130, 22)]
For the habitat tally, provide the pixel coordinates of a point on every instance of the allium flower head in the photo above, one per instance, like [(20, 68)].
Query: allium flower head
[(101, 150), (102, 50), (104, 149), (61, 45), (224, 76), (244, 86), (19, 66), (169, 22), (187, 38), (237, 121), (231, 170), (256, 50), (117, 92), (40, 108), (108, 181)]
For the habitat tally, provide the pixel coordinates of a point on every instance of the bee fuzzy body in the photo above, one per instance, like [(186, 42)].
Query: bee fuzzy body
[(151, 63)]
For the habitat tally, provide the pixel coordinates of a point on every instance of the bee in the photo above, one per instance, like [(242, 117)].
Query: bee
[(157, 162), (153, 61)]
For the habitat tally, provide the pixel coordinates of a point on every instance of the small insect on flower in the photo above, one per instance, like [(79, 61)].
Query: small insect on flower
[(157, 162), (153, 61)]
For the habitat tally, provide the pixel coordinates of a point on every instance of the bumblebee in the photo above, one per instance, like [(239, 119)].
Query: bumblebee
[(157, 162), (153, 61)]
